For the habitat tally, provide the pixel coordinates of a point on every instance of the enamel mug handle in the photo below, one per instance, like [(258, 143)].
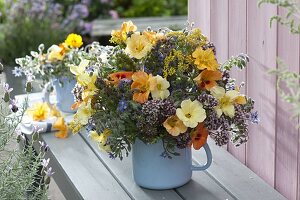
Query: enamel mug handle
[(208, 162), (46, 92)]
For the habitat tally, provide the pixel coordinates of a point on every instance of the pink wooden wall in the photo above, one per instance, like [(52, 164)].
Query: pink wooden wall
[(237, 26)]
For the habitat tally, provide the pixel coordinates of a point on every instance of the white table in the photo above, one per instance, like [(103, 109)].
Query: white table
[(82, 171)]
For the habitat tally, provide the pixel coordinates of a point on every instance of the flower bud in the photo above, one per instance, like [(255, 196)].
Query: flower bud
[(47, 180), (6, 97), (28, 87), (14, 108), (35, 136), (18, 138), (1, 68)]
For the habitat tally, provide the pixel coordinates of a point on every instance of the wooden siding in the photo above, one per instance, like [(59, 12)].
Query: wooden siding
[(240, 26)]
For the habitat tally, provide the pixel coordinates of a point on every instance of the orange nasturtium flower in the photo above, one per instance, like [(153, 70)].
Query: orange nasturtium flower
[(141, 86), (199, 136), (116, 77), (174, 125), (62, 128), (205, 59), (207, 79)]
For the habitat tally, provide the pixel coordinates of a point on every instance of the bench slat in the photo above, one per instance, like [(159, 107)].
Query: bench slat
[(236, 177), (82, 168), (201, 187), (122, 170)]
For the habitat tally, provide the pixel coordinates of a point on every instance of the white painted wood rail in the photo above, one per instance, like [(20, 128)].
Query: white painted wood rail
[(104, 27)]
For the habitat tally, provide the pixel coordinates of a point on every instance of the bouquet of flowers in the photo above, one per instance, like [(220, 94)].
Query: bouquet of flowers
[(160, 85), (54, 63)]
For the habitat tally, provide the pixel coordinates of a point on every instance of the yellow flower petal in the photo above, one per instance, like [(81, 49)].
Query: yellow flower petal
[(39, 111), (217, 92), (138, 46), (159, 87), (228, 110), (191, 113), (205, 59), (73, 40)]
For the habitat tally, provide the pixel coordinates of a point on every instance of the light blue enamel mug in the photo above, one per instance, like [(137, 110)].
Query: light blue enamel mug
[(63, 88), (152, 171)]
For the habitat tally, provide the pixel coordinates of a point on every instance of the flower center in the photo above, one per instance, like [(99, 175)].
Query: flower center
[(172, 122), (224, 101), (159, 87), (139, 47), (188, 115)]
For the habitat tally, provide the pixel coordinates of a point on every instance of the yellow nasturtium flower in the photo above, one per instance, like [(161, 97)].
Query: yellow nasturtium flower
[(119, 36), (191, 113), (159, 87), (84, 112), (39, 111), (101, 139), (153, 37), (83, 77), (138, 46), (205, 59), (73, 40), (227, 100)]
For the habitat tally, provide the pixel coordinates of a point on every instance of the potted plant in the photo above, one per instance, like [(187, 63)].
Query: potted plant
[(159, 93), (53, 68)]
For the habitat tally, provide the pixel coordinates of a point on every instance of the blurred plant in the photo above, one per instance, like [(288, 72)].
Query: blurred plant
[(29, 23), (288, 84), (2, 11), (24, 174), (290, 19), (144, 8)]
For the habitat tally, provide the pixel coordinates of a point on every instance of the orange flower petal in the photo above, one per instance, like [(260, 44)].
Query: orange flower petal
[(117, 76), (62, 128), (140, 86), (76, 105), (141, 97), (61, 134), (240, 100), (199, 136), (207, 79)]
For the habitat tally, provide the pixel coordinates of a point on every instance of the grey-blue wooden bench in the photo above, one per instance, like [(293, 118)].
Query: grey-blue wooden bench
[(82, 171)]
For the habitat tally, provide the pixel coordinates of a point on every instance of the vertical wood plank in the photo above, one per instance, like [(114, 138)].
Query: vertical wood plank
[(298, 171), (219, 28), (238, 44), (287, 134), (261, 47), (199, 13)]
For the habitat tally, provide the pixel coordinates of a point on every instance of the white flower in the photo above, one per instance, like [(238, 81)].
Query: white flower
[(17, 71)]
